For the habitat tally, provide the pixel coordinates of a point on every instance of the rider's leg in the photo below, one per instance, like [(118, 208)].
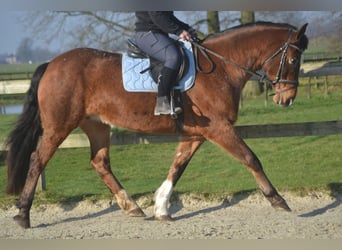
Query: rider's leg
[(163, 48), (166, 80)]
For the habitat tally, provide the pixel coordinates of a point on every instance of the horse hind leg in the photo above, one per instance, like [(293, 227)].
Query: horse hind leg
[(39, 159), (185, 150), (26, 197), (99, 137)]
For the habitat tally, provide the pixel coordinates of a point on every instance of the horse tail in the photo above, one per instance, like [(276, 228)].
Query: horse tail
[(23, 139)]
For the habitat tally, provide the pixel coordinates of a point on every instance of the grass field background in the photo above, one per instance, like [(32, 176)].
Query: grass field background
[(297, 164)]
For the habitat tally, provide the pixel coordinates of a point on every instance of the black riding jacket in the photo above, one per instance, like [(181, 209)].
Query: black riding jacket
[(159, 21)]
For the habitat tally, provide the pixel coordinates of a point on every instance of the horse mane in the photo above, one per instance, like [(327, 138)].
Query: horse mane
[(248, 25)]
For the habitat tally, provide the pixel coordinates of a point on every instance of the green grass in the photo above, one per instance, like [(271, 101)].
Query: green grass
[(6, 123), (17, 71), (9, 99), (296, 164), (293, 164), (15, 68), (317, 108)]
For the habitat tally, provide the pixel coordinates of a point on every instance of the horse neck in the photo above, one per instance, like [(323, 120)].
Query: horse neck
[(249, 47)]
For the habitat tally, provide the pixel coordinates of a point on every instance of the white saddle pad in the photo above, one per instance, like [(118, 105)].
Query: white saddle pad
[(134, 81)]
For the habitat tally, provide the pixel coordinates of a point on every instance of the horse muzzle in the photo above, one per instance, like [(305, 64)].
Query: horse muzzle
[(284, 99)]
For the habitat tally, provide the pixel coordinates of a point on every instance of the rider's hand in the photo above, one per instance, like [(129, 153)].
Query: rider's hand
[(185, 35)]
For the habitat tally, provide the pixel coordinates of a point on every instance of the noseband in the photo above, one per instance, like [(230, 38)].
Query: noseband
[(278, 78), (261, 77)]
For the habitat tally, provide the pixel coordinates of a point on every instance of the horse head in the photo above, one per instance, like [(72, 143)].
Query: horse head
[(283, 66)]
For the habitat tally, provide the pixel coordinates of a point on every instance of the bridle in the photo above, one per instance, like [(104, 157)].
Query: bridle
[(261, 77)]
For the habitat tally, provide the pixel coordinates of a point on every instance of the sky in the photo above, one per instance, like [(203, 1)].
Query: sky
[(11, 32)]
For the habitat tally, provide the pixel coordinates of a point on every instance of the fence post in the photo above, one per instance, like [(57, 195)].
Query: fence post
[(316, 82), (326, 86), (266, 94), (309, 88)]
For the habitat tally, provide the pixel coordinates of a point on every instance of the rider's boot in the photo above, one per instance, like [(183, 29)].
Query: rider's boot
[(166, 79)]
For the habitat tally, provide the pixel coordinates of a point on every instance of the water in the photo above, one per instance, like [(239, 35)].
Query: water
[(11, 109)]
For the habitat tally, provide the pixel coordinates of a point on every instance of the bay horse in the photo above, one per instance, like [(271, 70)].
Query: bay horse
[(83, 88)]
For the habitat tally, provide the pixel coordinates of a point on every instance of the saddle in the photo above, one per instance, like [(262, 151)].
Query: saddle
[(156, 66), (140, 72)]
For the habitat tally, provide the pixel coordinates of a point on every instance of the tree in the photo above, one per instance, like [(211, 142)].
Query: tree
[(337, 33), (109, 30), (247, 17), (102, 29), (27, 53), (213, 22), (24, 50)]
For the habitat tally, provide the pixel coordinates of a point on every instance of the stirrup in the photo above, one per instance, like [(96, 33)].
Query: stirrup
[(174, 110)]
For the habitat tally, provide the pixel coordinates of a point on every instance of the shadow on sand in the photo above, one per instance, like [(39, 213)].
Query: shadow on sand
[(177, 204), (233, 200), (336, 192), (84, 217)]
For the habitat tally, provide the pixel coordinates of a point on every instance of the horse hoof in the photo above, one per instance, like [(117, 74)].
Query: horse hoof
[(164, 218), (282, 206), (23, 222), (137, 212)]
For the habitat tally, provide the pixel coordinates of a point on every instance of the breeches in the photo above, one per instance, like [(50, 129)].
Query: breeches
[(159, 46)]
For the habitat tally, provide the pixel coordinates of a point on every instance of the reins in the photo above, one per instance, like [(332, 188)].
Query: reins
[(205, 50), (261, 77)]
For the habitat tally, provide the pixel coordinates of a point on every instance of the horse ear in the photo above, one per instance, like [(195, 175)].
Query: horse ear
[(301, 31)]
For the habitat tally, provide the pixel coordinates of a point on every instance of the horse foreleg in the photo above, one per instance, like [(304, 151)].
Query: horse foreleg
[(98, 134), (233, 143), (101, 164), (185, 150)]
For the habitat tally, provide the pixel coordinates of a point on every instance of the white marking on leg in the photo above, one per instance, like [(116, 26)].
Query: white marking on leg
[(162, 197)]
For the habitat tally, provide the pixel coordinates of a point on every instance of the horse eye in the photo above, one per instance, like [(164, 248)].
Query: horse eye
[(293, 60)]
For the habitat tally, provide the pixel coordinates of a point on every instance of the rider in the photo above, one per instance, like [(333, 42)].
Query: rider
[(152, 36)]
